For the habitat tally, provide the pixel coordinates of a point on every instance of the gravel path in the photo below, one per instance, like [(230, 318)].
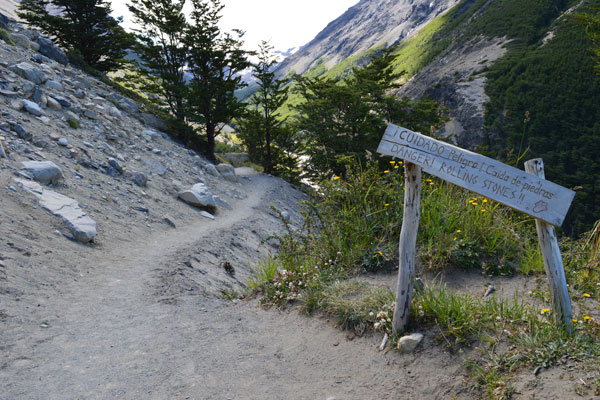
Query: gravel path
[(142, 324)]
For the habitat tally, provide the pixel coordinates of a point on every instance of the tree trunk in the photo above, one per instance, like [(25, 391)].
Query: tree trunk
[(210, 144), (269, 158)]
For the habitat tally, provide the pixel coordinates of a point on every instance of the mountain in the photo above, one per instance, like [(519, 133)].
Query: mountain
[(516, 77), (369, 23)]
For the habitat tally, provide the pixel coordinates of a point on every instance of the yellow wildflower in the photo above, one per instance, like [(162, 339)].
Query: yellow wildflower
[(458, 231), (484, 201), (482, 210), (587, 318), (335, 178), (392, 162), (574, 321), (387, 204), (544, 310), (380, 253), (387, 171), (586, 295)]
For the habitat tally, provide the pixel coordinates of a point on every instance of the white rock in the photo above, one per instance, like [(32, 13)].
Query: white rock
[(198, 196), (407, 344), (82, 227)]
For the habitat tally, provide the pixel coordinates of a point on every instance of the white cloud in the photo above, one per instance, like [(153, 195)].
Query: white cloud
[(284, 23)]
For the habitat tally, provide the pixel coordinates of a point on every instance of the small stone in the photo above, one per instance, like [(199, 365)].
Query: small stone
[(53, 104), (63, 142), (12, 189), (32, 108), (63, 102), (138, 178), (407, 344), (207, 215), (91, 114), (156, 151), (169, 221), (115, 164), (54, 85)]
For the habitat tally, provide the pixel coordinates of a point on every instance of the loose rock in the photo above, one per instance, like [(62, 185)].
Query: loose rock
[(45, 172), (32, 108), (407, 344), (198, 196), (227, 171), (82, 227)]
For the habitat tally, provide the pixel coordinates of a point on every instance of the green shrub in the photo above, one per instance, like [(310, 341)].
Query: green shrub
[(5, 37)]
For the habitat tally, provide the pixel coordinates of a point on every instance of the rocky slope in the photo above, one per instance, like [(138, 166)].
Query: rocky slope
[(369, 23), (81, 170)]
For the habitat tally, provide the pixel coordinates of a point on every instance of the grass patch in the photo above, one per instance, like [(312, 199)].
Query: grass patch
[(352, 226), (6, 38)]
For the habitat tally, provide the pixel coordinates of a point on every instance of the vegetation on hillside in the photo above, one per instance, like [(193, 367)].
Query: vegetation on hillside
[(352, 227), (84, 28), (345, 119), (268, 139)]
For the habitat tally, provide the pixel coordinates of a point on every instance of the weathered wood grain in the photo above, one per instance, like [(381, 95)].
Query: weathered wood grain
[(407, 246), (552, 260), (517, 189)]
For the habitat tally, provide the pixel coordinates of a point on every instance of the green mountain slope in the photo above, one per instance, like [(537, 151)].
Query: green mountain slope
[(545, 69)]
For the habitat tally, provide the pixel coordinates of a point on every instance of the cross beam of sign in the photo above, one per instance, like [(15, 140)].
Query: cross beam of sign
[(510, 186)]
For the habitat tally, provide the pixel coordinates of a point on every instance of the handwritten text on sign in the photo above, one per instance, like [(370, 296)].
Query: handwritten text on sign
[(524, 192)]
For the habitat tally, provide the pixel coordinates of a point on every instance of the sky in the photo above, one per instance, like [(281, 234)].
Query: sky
[(285, 23)]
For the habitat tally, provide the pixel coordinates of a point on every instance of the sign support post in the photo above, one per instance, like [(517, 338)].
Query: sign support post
[(525, 191), (407, 246), (552, 259)]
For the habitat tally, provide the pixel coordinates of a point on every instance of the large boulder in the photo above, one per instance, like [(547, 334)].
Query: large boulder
[(50, 50), (45, 172), (198, 196), (81, 226), (29, 72), (227, 171)]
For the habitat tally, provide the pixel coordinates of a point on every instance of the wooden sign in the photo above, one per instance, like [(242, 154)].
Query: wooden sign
[(527, 192), (510, 186)]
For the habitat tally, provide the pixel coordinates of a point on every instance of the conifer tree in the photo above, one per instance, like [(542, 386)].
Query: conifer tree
[(163, 50), (84, 28), (215, 60), (345, 119), (262, 127)]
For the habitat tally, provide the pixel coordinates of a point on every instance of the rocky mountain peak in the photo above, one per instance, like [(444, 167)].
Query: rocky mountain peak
[(369, 23)]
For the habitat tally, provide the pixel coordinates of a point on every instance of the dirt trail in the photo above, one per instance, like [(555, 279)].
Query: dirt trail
[(137, 327)]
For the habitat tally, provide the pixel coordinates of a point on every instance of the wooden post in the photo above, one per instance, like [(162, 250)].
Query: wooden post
[(408, 243), (552, 259)]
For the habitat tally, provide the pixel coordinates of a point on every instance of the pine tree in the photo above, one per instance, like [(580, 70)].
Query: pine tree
[(84, 28), (262, 127), (346, 119), (215, 60), (163, 50)]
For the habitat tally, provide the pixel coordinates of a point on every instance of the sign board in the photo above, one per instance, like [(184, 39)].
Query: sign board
[(517, 189)]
